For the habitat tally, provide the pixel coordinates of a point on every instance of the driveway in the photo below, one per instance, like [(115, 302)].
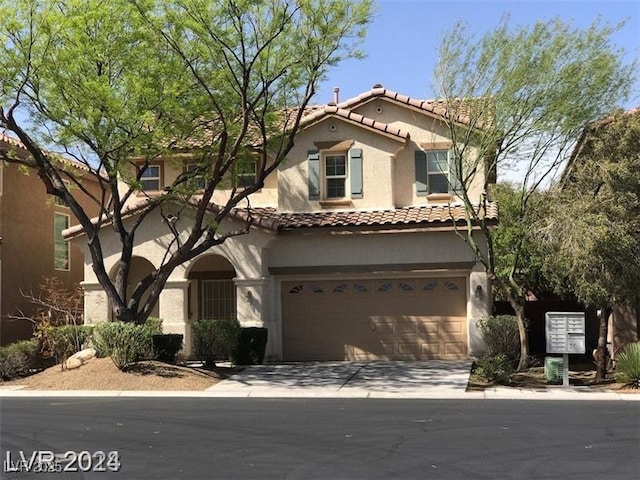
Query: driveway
[(430, 379)]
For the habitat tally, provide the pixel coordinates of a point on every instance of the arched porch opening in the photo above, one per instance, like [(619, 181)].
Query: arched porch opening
[(212, 292), (140, 268)]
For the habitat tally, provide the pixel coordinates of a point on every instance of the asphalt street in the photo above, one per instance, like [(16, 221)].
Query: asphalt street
[(217, 438)]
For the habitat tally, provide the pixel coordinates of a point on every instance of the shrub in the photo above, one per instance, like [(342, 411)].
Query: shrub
[(628, 365), (495, 368), (122, 341), (215, 339), (252, 342), (153, 325), (501, 336), (166, 346), (18, 359), (63, 341)]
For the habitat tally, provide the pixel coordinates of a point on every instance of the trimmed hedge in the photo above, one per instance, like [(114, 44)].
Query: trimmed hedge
[(252, 342), (166, 346), (215, 339)]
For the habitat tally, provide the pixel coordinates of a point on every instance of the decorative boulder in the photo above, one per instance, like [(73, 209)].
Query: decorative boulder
[(78, 359)]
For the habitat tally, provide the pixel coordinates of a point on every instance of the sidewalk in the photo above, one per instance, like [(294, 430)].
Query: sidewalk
[(389, 380)]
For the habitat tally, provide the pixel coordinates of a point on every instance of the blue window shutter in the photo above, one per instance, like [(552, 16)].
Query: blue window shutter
[(355, 172), (422, 179), (313, 164), (454, 176)]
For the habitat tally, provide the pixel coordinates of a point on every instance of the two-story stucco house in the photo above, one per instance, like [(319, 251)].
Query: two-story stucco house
[(31, 243), (352, 254)]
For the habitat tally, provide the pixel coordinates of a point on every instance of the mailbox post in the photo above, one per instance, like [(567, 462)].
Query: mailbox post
[(565, 334)]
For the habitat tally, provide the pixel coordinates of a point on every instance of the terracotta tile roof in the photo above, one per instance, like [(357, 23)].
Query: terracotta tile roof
[(459, 109), (7, 142), (422, 216), (352, 117)]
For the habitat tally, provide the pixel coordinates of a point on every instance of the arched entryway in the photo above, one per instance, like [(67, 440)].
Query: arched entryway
[(140, 268), (212, 290)]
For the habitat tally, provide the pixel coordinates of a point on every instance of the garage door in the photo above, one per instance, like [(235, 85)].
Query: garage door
[(387, 319)]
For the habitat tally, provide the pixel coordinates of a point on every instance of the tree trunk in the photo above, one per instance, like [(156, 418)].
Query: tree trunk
[(518, 308), (602, 353)]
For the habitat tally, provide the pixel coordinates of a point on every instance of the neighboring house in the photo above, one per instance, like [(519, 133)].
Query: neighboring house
[(353, 253), (32, 247)]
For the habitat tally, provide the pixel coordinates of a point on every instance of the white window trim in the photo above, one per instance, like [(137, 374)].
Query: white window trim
[(157, 178), (325, 187)]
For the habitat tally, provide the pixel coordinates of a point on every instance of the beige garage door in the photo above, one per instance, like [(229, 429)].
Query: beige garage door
[(390, 319)]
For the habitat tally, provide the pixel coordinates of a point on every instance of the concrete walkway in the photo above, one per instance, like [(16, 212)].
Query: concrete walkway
[(401, 380)]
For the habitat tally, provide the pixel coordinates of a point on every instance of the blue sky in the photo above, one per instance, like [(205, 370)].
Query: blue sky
[(402, 41)]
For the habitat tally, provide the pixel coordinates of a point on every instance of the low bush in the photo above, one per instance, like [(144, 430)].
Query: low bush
[(628, 365), (18, 359), (495, 368), (63, 341), (166, 346), (215, 339), (252, 342), (124, 342), (501, 336)]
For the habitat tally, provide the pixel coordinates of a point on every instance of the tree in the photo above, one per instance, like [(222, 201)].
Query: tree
[(115, 85), (518, 98), (592, 232)]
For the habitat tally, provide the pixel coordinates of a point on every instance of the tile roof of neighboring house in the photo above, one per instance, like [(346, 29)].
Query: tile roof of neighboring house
[(421, 216), (7, 142)]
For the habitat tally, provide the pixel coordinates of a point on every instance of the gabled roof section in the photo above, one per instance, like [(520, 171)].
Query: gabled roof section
[(437, 108), (349, 116)]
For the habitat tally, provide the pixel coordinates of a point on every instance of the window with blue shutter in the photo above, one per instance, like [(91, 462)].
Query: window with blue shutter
[(355, 172), (436, 172)]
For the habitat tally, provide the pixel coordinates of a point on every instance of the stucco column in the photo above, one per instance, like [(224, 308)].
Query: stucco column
[(173, 311), (479, 306), (253, 306), (96, 304)]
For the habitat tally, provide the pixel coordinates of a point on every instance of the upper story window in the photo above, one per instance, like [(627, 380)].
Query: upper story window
[(246, 173), (57, 201), (151, 178), (195, 181), (334, 175), (436, 172), (61, 249)]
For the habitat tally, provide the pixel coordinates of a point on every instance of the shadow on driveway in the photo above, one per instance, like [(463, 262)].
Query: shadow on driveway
[(349, 379)]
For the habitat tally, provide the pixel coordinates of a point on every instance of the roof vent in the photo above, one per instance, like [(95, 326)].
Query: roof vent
[(336, 95)]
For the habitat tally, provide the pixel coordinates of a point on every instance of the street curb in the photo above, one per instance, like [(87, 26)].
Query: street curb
[(489, 394)]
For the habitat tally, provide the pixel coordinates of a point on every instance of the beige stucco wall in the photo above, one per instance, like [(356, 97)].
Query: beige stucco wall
[(377, 153), (426, 132)]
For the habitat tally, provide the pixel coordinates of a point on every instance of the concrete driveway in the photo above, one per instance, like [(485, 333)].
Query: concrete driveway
[(430, 379)]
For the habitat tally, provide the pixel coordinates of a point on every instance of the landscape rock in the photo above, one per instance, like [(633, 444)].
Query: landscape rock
[(78, 359)]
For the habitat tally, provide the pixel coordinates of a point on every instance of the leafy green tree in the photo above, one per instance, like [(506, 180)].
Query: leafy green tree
[(117, 84), (518, 98), (592, 232)]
